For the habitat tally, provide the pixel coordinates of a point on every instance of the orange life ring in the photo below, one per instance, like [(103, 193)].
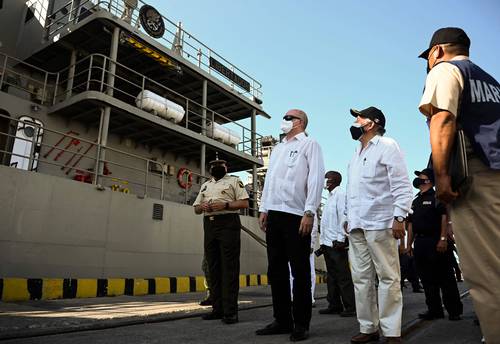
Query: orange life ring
[(182, 180)]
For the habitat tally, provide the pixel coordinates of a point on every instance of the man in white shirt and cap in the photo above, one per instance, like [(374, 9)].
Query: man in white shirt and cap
[(292, 193), (379, 197), (334, 247)]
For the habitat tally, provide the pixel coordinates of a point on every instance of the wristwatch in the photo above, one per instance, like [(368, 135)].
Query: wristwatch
[(443, 238), (399, 219), (308, 213)]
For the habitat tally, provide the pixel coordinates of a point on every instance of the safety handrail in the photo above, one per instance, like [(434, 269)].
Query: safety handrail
[(199, 53), (94, 159), (43, 84), (254, 236), (54, 81), (97, 64), (263, 243)]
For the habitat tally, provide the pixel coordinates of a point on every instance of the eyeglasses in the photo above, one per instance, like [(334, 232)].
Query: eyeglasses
[(289, 118)]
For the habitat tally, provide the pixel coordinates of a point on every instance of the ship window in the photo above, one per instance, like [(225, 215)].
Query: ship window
[(29, 15), (27, 144)]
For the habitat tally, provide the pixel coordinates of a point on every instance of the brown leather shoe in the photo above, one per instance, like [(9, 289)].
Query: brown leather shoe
[(393, 340), (365, 337)]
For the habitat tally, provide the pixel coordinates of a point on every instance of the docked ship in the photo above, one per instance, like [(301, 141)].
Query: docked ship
[(109, 113)]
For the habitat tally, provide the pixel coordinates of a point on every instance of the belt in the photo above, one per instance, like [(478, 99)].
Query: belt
[(220, 216)]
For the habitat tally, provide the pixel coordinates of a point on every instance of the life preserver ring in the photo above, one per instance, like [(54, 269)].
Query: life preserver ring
[(181, 179)]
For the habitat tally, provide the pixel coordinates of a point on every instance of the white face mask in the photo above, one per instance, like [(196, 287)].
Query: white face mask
[(286, 126)]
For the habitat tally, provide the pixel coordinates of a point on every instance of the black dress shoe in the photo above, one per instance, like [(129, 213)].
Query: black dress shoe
[(454, 317), (298, 334), (211, 316), (273, 328), (348, 314), (330, 311), (430, 316), (206, 302), (365, 337), (230, 319)]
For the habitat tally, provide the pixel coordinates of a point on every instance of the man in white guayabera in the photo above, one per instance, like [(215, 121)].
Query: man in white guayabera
[(378, 199), (292, 193)]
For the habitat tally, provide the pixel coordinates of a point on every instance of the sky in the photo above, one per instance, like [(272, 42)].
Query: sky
[(326, 57)]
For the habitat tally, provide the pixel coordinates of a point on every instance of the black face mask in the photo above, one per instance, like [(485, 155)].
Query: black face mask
[(331, 186), (356, 132), (218, 172), (418, 181)]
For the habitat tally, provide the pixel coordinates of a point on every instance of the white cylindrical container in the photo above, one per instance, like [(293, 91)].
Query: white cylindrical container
[(163, 107), (221, 133)]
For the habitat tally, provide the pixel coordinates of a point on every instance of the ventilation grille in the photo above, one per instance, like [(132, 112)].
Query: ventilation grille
[(157, 211)]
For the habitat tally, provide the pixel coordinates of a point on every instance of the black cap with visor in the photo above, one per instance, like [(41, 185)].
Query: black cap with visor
[(447, 35)]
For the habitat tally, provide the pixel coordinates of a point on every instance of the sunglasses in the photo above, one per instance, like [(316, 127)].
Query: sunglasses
[(289, 118)]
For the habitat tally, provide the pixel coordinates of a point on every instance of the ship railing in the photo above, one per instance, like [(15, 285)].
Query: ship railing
[(140, 176), (37, 83), (175, 38), (92, 73)]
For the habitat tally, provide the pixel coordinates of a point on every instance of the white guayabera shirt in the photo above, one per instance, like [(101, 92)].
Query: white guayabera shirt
[(294, 180), (378, 188), (333, 218)]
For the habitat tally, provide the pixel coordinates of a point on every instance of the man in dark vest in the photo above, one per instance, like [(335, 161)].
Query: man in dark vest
[(459, 93)]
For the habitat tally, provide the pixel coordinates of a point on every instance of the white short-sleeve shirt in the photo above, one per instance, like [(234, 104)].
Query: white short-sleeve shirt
[(443, 88)]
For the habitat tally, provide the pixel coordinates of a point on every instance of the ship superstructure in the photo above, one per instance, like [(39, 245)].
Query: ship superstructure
[(109, 113)]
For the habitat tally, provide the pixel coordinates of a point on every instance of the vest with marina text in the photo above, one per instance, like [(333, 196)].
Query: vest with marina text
[(479, 112)]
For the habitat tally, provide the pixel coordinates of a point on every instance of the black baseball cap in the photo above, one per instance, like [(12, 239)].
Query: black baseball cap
[(427, 172), (447, 35), (372, 113)]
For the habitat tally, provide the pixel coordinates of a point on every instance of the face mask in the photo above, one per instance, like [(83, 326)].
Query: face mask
[(330, 186), (218, 171), (286, 126), (357, 131), (417, 182)]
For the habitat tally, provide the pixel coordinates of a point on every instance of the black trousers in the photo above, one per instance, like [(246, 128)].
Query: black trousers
[(284, 244), (436, 272), (222, 251), (409, 270), (338, 279)]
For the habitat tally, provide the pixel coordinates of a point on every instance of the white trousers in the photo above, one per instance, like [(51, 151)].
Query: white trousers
[(313, 277), (376, 253)]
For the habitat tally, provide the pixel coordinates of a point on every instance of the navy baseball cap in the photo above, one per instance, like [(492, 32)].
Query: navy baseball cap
[(447, 35), (372, 113), (426, 172)]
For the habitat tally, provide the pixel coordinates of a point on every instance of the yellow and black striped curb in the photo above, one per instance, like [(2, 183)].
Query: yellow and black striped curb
[(23, 289)]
